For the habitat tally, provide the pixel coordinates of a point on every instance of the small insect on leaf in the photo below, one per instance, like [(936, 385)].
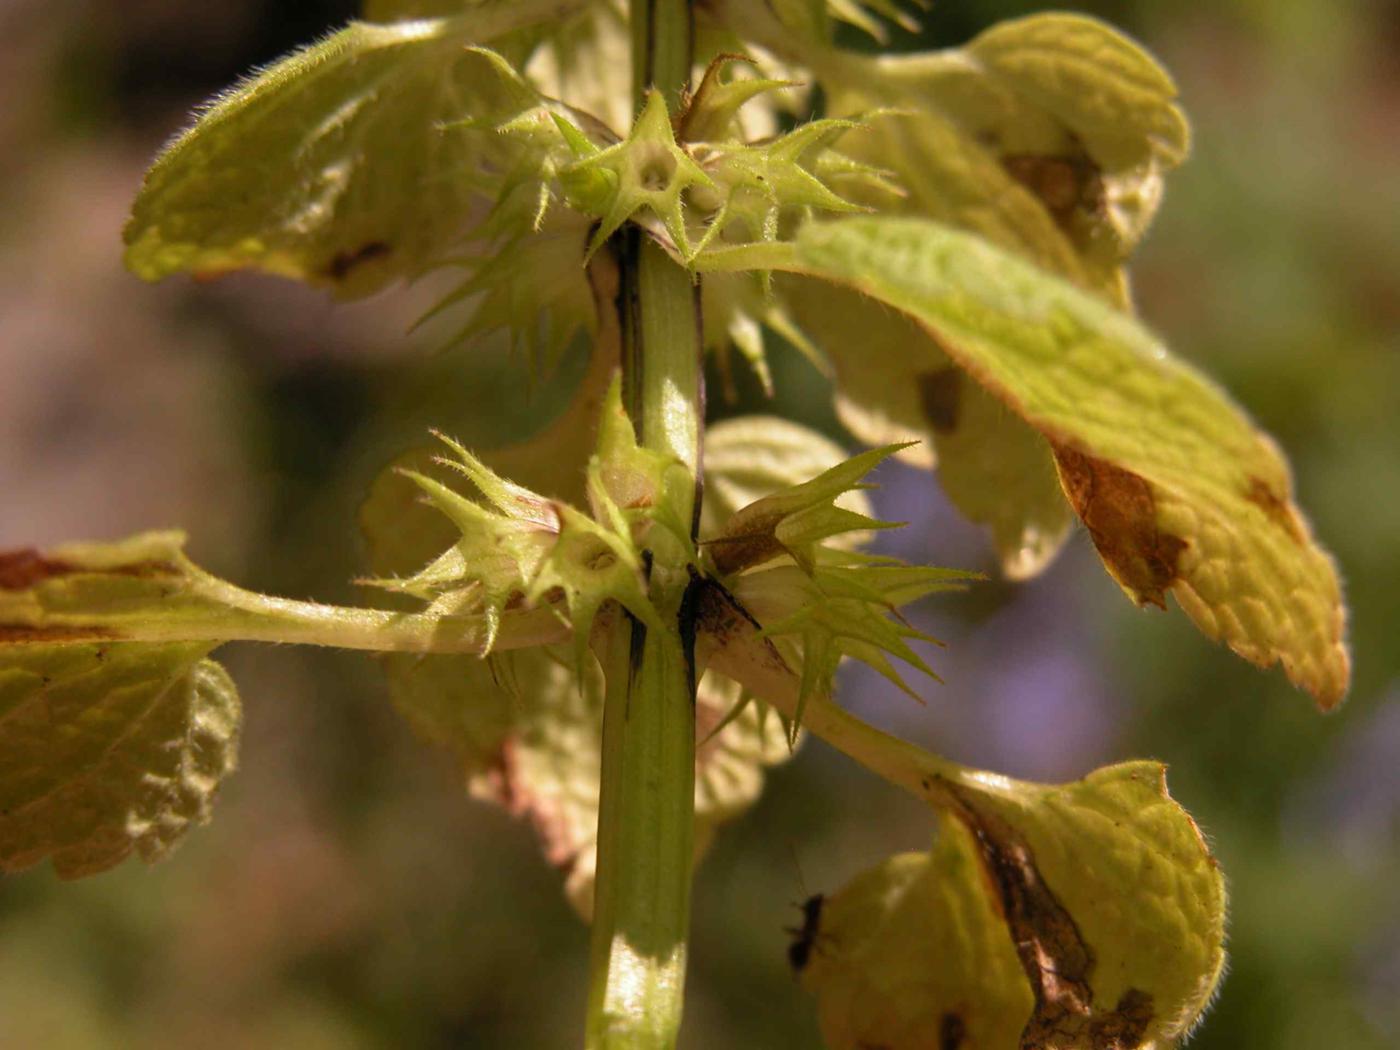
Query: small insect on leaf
[(804, 937)]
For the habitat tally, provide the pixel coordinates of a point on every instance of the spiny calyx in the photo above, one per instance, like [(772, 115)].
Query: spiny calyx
[(723, 187), (787, 560)]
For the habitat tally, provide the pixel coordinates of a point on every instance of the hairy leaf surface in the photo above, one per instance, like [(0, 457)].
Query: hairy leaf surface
[(1089, 915), (347, 164), (109, 749), (1178, 489), (1104, 887)]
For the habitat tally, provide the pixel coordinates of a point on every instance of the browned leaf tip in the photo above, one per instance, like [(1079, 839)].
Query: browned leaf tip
[(1120, 512)]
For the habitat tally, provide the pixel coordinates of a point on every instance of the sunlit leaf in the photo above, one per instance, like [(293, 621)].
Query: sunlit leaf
[(1103, 891), (1104, 887), (1178, 489), (106, 750), (347, 164), (1073, 111), (893, 383), (115, 731)]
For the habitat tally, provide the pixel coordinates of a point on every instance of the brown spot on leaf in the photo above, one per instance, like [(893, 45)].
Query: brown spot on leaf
[(1120, 512), (22, 569), (951, 1032), (1066, 185), (1277, 507), (1048, 943), (753, 544), (1124, 1028), (342, 263), (940, 397)]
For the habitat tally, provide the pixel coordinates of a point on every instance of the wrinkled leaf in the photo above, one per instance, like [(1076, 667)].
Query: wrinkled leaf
[(109, 749), (1177, 488), (1049, 135), (1111, 898), (1103, 889), (336, 165), (1072, 110)]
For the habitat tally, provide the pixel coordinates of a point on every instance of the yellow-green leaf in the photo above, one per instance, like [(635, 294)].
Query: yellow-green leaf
[(109, 749), (144, 589), (893, 383), (1103, 889), (336, 165), (914, 954), (1178, 489)]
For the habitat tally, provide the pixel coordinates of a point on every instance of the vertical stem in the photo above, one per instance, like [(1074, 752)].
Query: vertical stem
[(646, 812)]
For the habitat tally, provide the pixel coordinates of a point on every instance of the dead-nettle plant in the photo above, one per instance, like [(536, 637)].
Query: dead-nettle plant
[(621, 623)]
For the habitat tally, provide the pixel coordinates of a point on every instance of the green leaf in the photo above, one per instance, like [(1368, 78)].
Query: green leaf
[(114, 730), (1104, 887), (337, 164), (893, 383), (913, 953), (109, 749), (1178, 489), (1073, 111), (1102, 890)]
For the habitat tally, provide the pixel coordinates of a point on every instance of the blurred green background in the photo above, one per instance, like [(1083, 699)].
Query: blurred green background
[(349, 894)]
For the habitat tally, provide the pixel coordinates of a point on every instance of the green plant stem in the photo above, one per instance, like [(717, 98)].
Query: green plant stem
[(641, 910)]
